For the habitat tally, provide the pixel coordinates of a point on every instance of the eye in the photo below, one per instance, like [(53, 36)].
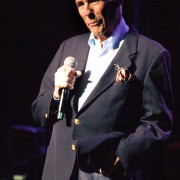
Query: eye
[(79, 3), (94, 1)]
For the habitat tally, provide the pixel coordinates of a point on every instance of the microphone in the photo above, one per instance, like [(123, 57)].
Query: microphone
[(71, 62)]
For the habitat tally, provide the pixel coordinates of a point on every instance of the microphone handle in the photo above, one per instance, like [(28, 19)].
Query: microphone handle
[(62, 103)]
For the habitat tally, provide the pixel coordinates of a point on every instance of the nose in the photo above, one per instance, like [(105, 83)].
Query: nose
[(91, 16), (89, 11)]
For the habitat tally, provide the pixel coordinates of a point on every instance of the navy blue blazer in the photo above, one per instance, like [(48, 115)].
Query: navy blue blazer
[(131, 120)]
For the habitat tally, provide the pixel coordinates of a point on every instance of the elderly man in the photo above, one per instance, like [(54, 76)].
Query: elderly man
[(118, 110)]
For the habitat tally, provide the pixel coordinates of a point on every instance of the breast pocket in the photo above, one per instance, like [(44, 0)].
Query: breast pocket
[(121, 88)]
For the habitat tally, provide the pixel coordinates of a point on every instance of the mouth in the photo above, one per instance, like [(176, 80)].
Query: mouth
[(94, 23)]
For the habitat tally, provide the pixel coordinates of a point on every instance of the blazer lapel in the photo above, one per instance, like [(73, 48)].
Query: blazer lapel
[(82, 53), (123, 58)]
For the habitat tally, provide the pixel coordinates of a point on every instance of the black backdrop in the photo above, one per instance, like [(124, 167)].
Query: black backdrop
[(31, 32)]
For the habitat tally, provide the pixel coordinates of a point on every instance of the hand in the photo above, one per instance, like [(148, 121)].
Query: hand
[(109, 170), (64, 78)]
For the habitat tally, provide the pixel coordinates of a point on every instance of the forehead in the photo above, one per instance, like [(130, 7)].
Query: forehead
[(88, 0), (118, 1)]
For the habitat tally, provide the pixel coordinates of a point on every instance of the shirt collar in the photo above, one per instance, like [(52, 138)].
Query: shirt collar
[(115, 38)]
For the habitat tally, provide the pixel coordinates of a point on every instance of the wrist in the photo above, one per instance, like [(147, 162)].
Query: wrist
[(56, 94), (56, 98)]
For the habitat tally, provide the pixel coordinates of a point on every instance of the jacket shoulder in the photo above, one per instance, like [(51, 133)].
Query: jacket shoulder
[(78, 38), (149, 43)]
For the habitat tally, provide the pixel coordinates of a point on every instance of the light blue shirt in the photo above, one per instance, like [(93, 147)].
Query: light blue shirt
[(99, 58)]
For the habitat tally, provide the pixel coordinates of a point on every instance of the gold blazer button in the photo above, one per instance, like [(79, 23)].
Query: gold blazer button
[(73, 147), (76, 121)]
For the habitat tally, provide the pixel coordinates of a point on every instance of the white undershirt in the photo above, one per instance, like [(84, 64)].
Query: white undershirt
[(99, 58)]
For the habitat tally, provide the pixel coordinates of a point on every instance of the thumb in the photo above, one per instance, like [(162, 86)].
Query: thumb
[(78, 74)]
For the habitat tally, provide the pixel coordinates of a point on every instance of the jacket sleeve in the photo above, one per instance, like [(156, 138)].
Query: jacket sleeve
[(156, 122), (41, 105)]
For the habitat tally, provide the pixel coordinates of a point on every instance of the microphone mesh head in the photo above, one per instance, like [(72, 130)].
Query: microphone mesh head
[(70, 61)]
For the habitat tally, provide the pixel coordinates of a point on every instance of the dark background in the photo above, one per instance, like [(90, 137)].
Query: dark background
[(30, 33)]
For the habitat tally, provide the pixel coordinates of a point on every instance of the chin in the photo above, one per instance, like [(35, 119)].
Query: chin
[(96, 34)]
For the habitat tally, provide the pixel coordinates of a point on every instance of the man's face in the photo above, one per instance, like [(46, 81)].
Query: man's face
[(100, 16)]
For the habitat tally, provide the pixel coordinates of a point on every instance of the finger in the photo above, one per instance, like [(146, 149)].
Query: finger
[(77, 74), (63, 77), (65, 85), (65, 70)]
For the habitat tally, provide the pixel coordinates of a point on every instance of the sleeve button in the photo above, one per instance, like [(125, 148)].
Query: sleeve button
[(46, 116)]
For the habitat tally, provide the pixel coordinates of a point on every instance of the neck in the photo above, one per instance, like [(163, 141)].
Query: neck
[(101, 40)]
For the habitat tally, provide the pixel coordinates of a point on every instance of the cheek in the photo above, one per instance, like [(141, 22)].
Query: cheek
[(83, 16)]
